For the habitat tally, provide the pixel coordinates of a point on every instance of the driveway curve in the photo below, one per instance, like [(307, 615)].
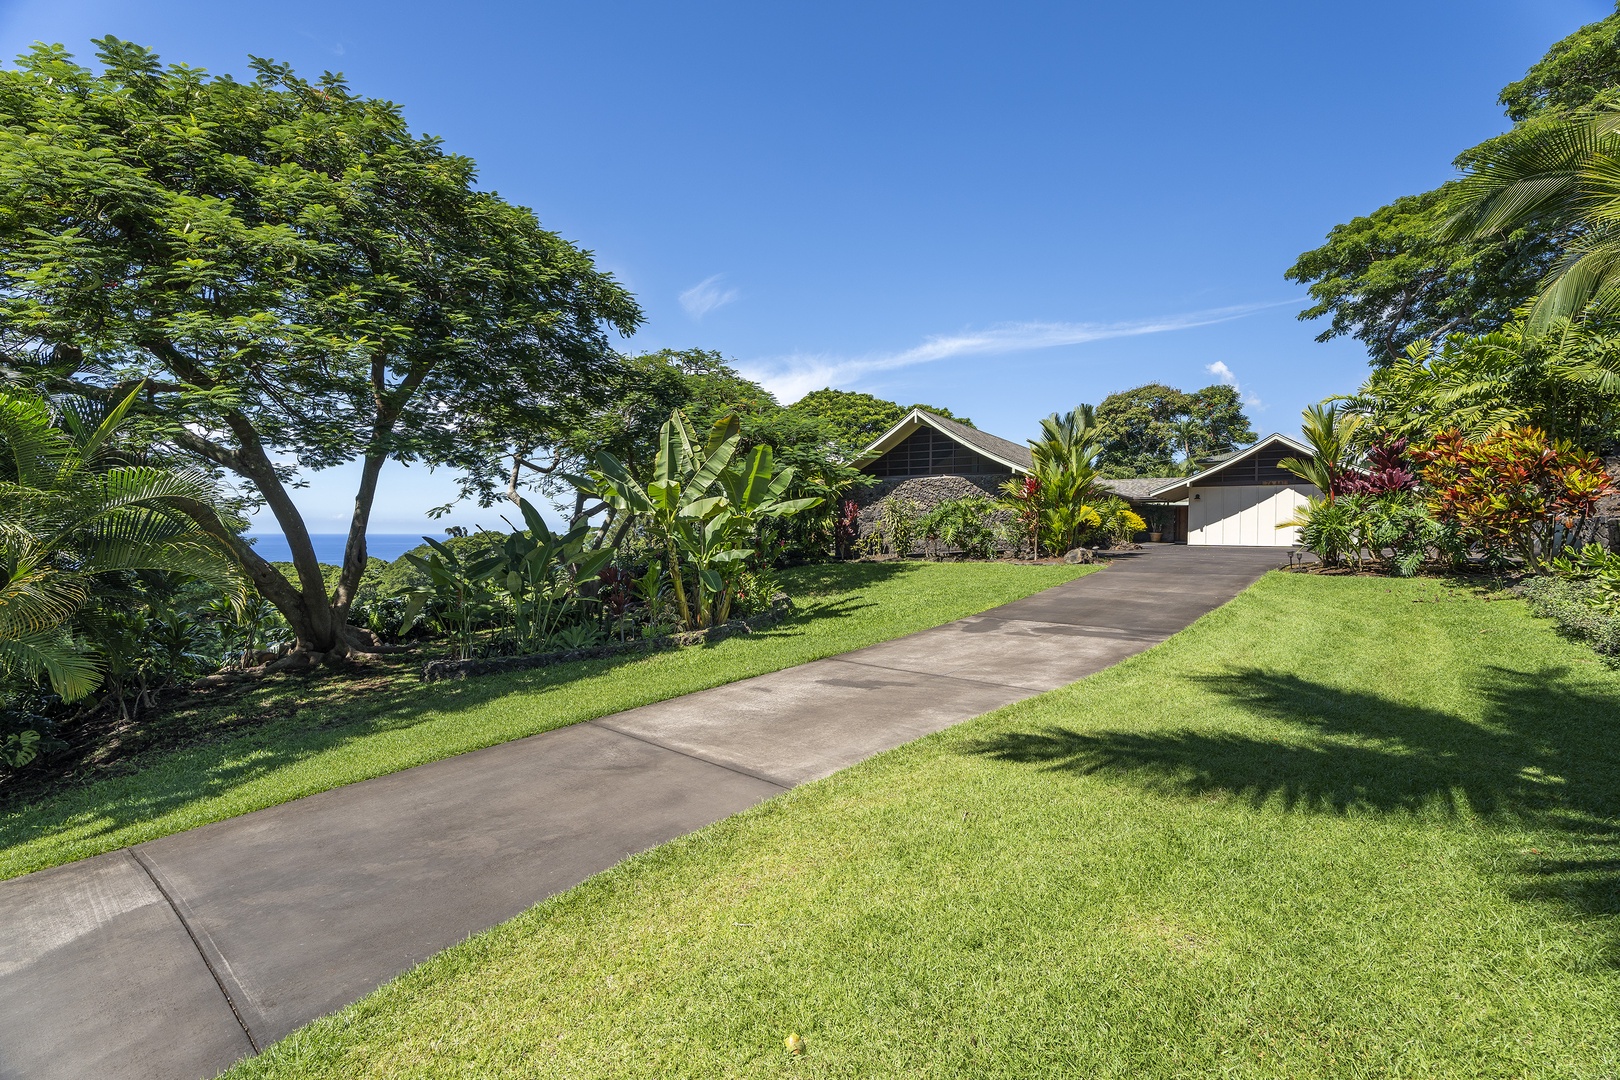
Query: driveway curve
[(173, 959)]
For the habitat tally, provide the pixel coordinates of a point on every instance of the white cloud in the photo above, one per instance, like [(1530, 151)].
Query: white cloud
[(1227, 376), (791, 377), (705, 296)]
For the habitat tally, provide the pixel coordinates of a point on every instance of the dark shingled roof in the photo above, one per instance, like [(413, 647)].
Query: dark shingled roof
[(1019, 455), (1137, 487), (983, 441)]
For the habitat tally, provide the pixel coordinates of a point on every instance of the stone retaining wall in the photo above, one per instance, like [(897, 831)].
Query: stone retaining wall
[(926, 491)]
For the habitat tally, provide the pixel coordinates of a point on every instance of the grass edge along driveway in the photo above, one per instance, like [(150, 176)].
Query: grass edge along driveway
[(1341, 827), (289, 737)]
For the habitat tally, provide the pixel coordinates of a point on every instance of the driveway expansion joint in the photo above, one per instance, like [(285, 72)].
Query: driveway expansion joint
[(185, 923), (1020, 687), (601, 722)]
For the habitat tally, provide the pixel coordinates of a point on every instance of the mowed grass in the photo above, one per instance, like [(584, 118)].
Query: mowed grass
[(294, 737), (1341, 827)]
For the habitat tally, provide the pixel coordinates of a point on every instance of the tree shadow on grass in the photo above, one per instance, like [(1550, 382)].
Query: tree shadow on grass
[(1545, 756), (273, 725), (235, 737), (837, 577)]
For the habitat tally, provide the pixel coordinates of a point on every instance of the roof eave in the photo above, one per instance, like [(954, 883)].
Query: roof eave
[(883, 444), (1228, 462)]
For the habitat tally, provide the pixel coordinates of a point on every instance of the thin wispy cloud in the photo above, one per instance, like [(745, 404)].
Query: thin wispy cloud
[(705, 296), (791, 377), (1226, 376)]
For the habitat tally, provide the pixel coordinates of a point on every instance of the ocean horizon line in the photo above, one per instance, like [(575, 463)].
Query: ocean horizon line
[(329, 547)]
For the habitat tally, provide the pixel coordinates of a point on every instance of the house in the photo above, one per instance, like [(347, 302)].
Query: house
[(1237, 499), (1241, 498)]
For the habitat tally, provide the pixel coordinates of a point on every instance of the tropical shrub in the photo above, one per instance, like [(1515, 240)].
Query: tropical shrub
[(753, 590), (1592, 564), (704, 508), (1384, 473), (101, 550), (897, 519), (1403, 534), (1118, 521), (967, 524), (1580, 610), (454, 595), (1329, 528), (537, 571), (1020, 496), (847, 529), (1513, 492)]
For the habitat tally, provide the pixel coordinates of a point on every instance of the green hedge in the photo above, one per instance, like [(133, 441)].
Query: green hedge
[(1571, 605)]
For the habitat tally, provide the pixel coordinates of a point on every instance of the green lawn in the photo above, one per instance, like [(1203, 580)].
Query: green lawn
[(1342, 827), (294, 737)]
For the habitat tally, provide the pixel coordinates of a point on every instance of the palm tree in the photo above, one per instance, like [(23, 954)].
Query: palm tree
[(1568, 174), (74, 508), (1067, 438), (1565, 381), (1067, 489), (1329, 431)]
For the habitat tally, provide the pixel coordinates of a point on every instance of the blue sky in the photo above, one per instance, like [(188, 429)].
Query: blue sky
[(1004, 209)]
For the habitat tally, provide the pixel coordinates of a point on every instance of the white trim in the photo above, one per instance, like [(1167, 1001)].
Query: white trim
[(1189, 481), (915, 418)]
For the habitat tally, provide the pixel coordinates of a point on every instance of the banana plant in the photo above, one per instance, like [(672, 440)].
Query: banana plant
[(711, 548), (754, 494), (682, 490), (458, 584), (703, 507), (537, 570)]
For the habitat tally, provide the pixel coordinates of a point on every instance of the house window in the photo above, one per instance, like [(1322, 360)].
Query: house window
[(926, 452), (1262, 468)]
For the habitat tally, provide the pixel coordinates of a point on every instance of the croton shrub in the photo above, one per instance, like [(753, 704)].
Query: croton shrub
[(1516, 492)]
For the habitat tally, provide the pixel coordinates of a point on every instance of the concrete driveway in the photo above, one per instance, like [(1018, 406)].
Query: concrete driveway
[(172, 959)]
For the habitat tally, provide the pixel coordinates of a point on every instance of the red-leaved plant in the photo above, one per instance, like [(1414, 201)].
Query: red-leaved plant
[(1515, 491), (615, 589), (1386, 473), (845, 528)]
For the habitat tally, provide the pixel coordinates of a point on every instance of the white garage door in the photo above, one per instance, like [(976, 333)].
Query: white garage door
[(1246, 516)]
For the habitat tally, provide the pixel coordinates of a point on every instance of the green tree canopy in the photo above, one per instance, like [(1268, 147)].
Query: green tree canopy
[(1389, 278), (1580, 69), (1396, 276), (855, 419), (706, 390), (1215, 422), (1142, 431), (299, 280)]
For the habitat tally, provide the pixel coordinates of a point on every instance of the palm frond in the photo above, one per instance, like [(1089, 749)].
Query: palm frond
[(73, 670)]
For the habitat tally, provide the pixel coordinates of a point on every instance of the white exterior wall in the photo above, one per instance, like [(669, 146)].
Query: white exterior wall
[(1245, 516)]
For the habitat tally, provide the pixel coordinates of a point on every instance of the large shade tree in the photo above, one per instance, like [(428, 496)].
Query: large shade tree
[(1145, 430), (857, 419), (298, 280)]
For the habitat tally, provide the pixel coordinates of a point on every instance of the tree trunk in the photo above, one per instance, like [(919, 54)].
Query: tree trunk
[(355, 555)]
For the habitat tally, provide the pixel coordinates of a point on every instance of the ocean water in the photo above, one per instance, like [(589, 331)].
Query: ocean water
[(329, 546)]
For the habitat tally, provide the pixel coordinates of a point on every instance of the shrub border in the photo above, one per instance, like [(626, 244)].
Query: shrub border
[(439, 670)]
